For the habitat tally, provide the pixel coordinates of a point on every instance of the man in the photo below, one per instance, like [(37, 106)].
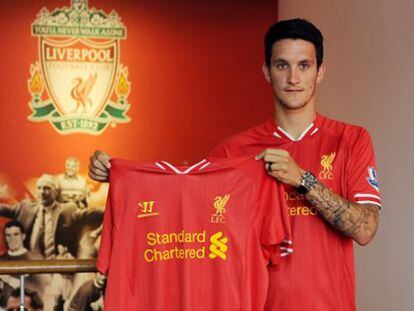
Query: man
[(15, 237), (61, 285), (328, 169), (88, 297), (32, 301), (47, 222), (73, 188)]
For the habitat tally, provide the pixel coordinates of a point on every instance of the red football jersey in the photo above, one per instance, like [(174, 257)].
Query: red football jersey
[(320, 275), (191, 238)]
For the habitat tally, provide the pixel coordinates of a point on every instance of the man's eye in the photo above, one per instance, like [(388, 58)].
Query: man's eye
[(281, 66), (304, 66)]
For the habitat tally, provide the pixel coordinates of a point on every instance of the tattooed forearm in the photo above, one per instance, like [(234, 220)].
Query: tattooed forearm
[(357, 221)]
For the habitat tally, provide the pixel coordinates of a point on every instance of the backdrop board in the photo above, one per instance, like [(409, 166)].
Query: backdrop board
[(143, 80)]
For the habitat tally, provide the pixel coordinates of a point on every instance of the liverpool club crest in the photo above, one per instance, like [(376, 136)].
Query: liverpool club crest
[(78, 83)]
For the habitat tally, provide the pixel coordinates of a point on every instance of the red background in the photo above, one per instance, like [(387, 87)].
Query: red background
[(195, 72)]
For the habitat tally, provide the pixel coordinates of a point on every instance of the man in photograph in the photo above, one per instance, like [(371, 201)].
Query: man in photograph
[(47, 222), (15, 236), (73, 187), (32, 301)]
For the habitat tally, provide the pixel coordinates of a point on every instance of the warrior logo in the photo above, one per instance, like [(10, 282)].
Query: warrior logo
[(219, 204), (326, 162), (146, 209), (78, 83)]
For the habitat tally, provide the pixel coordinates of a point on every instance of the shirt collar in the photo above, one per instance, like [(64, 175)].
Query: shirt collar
[(73, 177), (19, 252), (278, 132), (49, 208), (166, 166)]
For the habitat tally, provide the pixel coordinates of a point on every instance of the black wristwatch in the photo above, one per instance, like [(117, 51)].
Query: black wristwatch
[(307, 183)]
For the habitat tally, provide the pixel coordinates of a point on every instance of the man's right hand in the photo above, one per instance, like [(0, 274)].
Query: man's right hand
[(99, 166)]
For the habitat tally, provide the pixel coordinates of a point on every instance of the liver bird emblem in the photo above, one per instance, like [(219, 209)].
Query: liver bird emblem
[(81, 91), (327, 160), (220, 203)]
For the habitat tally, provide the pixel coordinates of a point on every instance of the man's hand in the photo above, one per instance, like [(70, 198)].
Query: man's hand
[(281, 166), (99, 166), (358, 221)]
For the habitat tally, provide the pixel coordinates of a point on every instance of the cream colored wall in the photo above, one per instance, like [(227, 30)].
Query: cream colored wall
[(369, 48)]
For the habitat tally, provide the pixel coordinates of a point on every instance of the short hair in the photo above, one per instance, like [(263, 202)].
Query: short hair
[(72, 159), (35, 301), (14, 223), (294, 29), (49, 180)]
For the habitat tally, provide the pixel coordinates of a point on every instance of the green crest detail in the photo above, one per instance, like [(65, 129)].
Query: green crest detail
[(78, 83)]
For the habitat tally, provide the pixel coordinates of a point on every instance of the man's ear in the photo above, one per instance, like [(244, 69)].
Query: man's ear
[(266, 72), (321, 73)]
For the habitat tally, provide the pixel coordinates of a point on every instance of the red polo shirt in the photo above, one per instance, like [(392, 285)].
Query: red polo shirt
[(320, 275)]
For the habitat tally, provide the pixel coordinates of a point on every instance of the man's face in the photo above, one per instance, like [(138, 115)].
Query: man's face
[(46, 194), (14, 238), (72, 168), (13, 304), (293, 73)]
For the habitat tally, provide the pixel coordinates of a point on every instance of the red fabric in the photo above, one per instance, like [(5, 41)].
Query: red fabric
[(320, 274), (254, 221)]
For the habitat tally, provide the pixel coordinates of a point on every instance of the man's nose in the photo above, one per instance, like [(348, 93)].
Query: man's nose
[(293, 77)]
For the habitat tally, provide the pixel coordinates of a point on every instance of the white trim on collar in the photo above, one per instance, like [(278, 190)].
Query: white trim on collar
[(314, 131), (203, 162), (301, 135), (277, 134), (160, 166), (204, 166)]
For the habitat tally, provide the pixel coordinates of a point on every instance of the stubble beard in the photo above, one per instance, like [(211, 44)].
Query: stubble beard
[(286, 106), (296, 106)]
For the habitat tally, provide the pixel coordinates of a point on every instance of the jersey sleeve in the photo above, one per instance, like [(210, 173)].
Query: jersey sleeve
[(275, 237), (105, 249), (361, 175), (218, 152), (226, 149)]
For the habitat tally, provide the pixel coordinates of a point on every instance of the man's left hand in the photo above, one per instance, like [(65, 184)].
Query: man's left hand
[(281, 166)]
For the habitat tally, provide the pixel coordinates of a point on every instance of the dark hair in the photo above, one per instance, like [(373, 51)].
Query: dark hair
[(35, 301), (14, 223), (294, 29)]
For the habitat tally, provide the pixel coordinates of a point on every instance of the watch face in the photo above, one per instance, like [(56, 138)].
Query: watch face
[(307, 183), (310, 181)]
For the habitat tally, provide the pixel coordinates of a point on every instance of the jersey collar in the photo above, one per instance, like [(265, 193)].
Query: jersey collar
[(182, 170), (278, 132)]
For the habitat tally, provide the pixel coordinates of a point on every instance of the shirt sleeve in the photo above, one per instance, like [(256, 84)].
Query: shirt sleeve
[(105, 249), (227, 148), (361, 175), (218, 152), (275, 237)]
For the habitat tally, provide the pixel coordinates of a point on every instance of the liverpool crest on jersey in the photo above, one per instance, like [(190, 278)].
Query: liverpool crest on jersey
[(78, 83), (220, 207), (326, 163)]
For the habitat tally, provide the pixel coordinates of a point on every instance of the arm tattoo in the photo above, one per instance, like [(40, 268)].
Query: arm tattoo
[(354, 220)]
